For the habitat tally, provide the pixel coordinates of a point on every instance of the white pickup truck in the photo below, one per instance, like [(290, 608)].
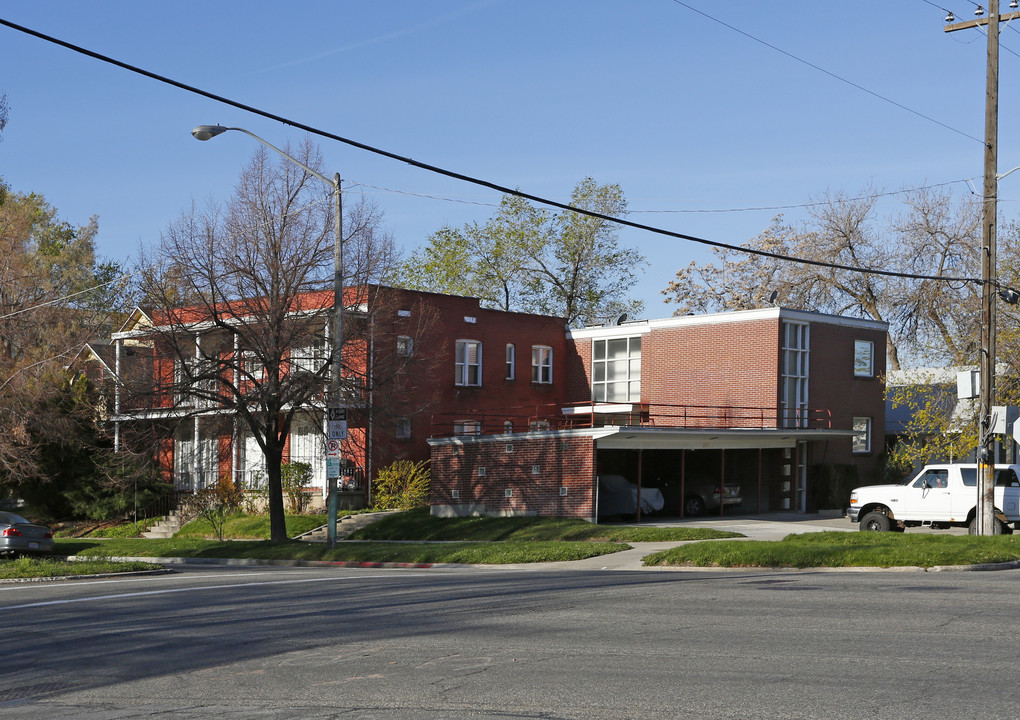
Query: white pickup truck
[(940, 496)]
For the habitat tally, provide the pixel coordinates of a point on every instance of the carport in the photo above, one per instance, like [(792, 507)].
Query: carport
[(770, 465)]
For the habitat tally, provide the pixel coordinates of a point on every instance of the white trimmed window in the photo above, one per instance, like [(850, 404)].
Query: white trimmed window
[(405, 346), (468, 363), (467, 427), (862, 435), (796, 346), (616, 370), (864, 358), (541, 364), (511, 358)]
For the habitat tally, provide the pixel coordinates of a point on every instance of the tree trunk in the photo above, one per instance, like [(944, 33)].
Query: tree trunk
[(277, 520)]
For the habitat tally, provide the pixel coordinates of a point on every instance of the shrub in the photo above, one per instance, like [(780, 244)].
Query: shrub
[(214, 505), (403, 485), (296, 477)]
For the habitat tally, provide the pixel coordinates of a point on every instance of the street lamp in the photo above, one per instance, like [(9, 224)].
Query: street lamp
[(207, 132)]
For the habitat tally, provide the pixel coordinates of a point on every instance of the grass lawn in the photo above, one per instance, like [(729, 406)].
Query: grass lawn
[(844, 549), (250, 527), (419, 525), (39, 567), (404, 552)]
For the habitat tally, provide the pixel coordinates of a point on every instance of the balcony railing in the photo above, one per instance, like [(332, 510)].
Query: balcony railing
[(596, 414)]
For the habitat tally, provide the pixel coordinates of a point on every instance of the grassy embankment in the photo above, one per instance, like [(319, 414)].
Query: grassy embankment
[(846, 549), (411, 537)]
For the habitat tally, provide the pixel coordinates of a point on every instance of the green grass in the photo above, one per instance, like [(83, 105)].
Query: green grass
[(39, 567), (463, 552), (250, 527), (419, 525), (845, 549)]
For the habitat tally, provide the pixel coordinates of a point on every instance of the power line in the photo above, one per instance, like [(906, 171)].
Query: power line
[(477, 181), (833, 75)]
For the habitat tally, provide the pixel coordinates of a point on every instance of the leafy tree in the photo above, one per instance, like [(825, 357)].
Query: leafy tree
[(55, 293), (530, 259)]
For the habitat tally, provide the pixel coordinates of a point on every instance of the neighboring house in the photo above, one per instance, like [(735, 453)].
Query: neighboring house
[(407, 356), (520, 414)]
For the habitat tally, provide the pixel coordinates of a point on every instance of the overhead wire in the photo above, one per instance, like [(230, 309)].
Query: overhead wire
[(486, 183)]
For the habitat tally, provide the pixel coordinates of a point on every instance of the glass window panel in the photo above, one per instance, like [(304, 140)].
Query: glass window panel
[(599, 350), (617, 349)]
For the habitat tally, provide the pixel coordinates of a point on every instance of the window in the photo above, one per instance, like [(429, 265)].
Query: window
[(403, 428), (469, 363), (616, 370), (864, 358), (933, 479), (305, 359), (467, 427), (541, 364), (796, 345), (405, 346), (862, 435), (511, 356)]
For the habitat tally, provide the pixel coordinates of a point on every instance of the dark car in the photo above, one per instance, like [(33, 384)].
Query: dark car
[(18, 535), (702, 495)]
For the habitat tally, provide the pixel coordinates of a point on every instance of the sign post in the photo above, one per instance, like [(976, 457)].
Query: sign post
[(336, 430)]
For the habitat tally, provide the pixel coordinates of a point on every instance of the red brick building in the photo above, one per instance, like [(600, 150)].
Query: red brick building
[(520, 415), (770, 400)]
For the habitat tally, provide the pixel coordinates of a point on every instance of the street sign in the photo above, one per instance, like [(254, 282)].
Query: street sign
[(336, 414), (332, 468), (333, 448), (336, 430)]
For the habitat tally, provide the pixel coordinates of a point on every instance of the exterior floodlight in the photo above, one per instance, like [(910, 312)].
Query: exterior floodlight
[(1010, 296), (949, 16), (980, 11), (204, 132)]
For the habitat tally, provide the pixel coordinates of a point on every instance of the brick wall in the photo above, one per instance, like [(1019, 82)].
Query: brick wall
[(482, 471)]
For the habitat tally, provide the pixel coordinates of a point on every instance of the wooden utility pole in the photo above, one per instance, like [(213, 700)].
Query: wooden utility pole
[(989, 284)]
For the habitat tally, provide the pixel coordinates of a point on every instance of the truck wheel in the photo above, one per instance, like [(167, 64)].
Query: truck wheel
[(998, 527), (875, 522)]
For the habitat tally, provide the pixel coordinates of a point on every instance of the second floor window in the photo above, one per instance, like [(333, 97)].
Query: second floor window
[(405, 346), (864, 358), (541, 364), (468, 363), (511, 357)]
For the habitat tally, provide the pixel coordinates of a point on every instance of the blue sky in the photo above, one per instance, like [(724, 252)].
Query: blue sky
[(690, 115)]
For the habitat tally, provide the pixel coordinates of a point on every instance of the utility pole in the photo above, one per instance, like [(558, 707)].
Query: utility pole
[(989, 282)]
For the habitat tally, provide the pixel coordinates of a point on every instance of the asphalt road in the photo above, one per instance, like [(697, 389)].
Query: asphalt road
[(479, 643)]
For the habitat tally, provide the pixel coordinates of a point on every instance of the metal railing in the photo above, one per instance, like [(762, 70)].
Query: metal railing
[(561, 416)]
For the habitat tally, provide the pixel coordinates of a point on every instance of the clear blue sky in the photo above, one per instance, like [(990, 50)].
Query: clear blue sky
[(686, 114)]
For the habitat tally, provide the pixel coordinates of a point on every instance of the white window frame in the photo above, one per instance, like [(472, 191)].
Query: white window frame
[(864, 358), (405, 346), (616, 379), (861, 443), (467, 427), (795, 373), (511, 362), (468, 373), (541, 364)]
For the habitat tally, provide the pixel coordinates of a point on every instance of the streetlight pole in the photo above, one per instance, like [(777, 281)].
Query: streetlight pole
[(335, 393)]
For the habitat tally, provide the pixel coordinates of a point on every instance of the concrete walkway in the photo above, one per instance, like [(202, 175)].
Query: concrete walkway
[(773, 526)]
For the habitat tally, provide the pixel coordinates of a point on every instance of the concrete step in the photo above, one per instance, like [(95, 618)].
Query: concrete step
[(345, 526), (164, 528)]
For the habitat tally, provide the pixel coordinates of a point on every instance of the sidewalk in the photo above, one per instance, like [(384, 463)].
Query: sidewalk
[(773, 526)]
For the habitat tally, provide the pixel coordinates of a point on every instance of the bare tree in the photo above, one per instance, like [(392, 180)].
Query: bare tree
[(930, 320), (242, 312)]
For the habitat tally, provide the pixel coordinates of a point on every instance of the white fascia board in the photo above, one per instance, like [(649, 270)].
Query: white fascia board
[(641, 327)]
